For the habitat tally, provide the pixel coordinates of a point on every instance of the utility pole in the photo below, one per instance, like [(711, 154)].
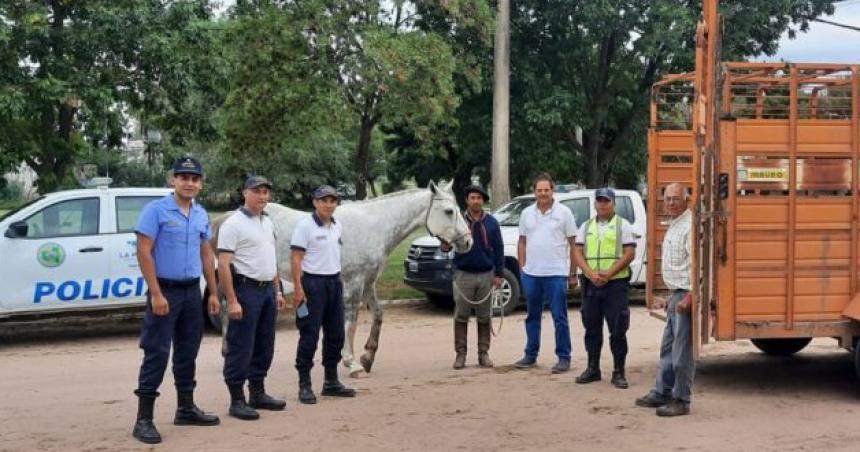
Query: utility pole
[(501, 106)]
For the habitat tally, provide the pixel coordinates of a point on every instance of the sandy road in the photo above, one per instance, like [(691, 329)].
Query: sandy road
[(76, 394)]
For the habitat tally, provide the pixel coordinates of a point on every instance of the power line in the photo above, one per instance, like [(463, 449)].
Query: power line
[(837, 24)]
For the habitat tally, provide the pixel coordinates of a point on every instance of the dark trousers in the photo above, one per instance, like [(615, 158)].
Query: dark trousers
[(251, 340), (183, 326), (325, 310), (609, 303)]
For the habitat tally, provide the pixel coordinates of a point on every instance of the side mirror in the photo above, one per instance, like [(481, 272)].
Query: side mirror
[(17, 229)]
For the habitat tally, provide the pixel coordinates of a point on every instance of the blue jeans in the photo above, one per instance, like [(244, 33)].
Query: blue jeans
[(677, 367), (539, 291)]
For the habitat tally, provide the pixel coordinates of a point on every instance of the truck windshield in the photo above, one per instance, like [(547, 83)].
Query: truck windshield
[(509, 214), (18, 209)]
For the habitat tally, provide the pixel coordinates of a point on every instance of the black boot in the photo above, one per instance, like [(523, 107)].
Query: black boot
[(144, 429), (260, 400), (306, 392), (592, 372), (238, 408), (484, 332), (618, 379), (460, 332), (333, 387), (187, 413)]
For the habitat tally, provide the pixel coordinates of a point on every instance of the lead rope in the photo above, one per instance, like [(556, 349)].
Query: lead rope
[(495, 303)]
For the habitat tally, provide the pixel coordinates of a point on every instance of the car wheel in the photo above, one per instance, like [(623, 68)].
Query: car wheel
[(442, 301), (782, 347), (510, 298)]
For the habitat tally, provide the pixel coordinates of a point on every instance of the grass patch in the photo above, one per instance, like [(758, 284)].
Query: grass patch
[(390, 285), (3, 211)]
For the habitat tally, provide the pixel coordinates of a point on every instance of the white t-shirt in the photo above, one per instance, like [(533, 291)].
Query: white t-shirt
[(547, 248), (251, 239), (628, 235), (321, 244)]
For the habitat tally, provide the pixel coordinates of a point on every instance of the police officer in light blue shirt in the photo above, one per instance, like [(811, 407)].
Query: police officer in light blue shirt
[(173, 252)]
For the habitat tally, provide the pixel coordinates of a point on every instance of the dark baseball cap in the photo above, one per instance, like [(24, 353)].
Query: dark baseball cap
[(187, 165), (325, 190), (605, 192), (256, 181), (476, 189)]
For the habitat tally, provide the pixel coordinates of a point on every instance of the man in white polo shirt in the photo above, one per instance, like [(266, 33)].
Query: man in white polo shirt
[(547, 233), (318, 294), (247, 266)]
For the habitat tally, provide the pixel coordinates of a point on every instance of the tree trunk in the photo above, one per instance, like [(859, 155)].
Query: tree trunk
[(501, 191), (596, 168), (363, 157)]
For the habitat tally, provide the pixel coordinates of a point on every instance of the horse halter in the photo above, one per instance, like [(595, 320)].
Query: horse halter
[(427, 227)]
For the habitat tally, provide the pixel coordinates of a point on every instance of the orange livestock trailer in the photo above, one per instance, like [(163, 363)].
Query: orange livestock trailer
[(771, 152)]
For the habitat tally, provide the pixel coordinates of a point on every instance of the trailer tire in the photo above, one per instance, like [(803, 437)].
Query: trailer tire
[(782, 347)]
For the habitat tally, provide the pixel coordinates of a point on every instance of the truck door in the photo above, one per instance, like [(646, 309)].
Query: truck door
[(62, 260), (127, 283)]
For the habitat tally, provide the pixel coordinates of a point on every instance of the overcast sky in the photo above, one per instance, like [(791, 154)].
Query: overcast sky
[(825, 43)]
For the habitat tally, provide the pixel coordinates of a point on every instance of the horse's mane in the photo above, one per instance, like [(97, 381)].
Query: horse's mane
[(387, 195)]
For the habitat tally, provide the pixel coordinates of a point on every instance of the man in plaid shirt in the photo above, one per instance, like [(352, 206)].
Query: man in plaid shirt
[(671, 394)]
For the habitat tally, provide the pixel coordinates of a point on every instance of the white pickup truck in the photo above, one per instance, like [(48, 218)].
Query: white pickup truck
[(73, 250), (429, 270)]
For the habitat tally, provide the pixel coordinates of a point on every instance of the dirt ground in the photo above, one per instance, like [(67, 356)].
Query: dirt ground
[(76, 394)]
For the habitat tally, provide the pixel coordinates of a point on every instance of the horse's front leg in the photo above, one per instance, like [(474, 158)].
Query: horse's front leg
[(372, 344), (351, 305)]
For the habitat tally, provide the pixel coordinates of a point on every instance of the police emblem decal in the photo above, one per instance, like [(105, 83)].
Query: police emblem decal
[(51, 255)]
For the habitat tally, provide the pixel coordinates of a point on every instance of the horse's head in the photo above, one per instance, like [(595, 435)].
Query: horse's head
[(444, 220)]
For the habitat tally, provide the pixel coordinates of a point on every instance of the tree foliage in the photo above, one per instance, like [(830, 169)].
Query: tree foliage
[(72, 67), (583, 69), (330, 91)]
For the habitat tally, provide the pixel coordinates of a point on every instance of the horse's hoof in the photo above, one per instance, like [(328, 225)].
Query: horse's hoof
[(355, 371), (366, 363)]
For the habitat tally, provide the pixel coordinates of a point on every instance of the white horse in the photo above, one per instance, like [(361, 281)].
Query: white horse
[(371, 230)]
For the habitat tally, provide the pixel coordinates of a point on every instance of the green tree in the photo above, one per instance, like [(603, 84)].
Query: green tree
[(71, 68), (282, 115), (459, 148), (388, 71), (585, 68)]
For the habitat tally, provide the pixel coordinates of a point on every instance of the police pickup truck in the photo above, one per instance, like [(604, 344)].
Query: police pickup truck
[(73, 251), (429, 270)]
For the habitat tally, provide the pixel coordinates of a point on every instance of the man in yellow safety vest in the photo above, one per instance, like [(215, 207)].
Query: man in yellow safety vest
[(605, 246)]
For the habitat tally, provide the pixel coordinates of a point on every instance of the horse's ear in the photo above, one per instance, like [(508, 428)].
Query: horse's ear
[(448, 187), (432, 187)]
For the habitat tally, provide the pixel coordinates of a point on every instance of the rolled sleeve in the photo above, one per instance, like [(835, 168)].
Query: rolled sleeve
[(300, 237), (580, 234), (688, 244), (570, 228), (228, 237), (147, 223), (628, 235), (207, 232), (522, 225)]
